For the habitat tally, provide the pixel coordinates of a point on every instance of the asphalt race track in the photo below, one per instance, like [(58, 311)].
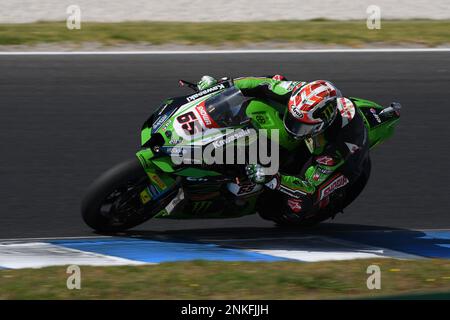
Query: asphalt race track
[(65, 119)]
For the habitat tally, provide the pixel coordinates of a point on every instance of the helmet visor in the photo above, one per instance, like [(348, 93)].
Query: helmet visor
[(300, 130)]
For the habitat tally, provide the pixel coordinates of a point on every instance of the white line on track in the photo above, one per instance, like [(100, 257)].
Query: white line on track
[(314, 248), (55, 238), (41, 254), (163, 52)]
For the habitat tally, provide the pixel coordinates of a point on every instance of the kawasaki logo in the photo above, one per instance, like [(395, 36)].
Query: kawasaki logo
[(205, 92), (231, 137)]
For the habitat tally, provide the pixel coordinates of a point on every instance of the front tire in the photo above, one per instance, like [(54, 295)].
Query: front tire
[(112, 202)]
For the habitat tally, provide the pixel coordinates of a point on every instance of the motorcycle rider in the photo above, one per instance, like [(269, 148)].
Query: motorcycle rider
[(335, 135)]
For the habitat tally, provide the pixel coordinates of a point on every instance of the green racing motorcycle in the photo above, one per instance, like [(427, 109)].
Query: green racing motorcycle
[(151, 185)]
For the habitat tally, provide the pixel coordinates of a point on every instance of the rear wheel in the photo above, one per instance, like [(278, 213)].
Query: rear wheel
[(112, 203)]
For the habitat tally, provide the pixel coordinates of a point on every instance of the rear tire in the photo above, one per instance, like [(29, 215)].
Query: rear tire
[(120, 177), (350, 195)]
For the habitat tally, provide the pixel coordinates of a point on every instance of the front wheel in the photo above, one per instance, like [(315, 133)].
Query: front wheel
[(113, 203)]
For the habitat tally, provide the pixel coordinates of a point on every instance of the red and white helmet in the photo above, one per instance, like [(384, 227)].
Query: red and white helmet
[(311, 109)]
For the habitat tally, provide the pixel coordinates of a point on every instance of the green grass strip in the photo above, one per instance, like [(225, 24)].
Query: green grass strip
[(351, 33), (231, 280)]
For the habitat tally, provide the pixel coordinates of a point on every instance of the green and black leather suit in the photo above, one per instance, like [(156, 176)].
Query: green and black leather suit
[(341, 150)]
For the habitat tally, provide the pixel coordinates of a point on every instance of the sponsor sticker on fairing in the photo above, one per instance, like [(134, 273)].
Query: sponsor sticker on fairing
[(375, 115), (333, 185), (159, 122), (206, 118), (205, 92), (232, 137)]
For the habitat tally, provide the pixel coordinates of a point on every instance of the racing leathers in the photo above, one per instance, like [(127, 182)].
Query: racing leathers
[(338, 157)]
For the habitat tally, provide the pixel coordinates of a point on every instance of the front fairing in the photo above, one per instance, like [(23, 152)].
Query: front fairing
[(165, 134), (196, 120), (163, 121)]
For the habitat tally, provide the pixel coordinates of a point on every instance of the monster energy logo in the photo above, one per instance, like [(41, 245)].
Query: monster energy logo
[(200, 206), (328, 112)]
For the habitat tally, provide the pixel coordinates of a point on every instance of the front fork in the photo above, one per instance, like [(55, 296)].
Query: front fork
[(161, 183)]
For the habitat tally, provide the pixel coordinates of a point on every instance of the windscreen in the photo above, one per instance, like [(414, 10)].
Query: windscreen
[(226, 108)]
